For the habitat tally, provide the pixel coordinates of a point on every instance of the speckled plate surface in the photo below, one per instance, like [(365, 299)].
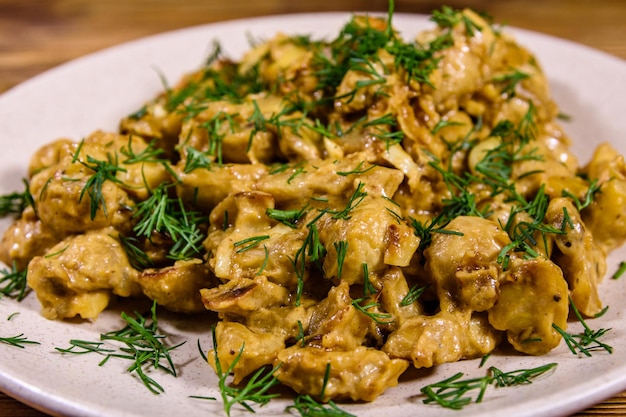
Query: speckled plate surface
[(94, 92)]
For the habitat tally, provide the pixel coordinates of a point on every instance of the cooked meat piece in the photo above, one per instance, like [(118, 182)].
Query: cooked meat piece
[(68, 282), (25, 238), (361, 374), (605, 217), (582, 262), (463, 264), (533, 298), (251, 349), (177, 287), (240, 296)]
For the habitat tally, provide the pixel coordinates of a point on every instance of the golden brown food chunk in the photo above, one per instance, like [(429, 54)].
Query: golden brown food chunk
[(463, 264), (430, 340), (47, 155), (582, 262), (533, 297), (69, 283), (221, 131), (177, 287), (251, 349), (91, 184), (373, 235), (606, 216), (65, 206), (335, 323), (155, 121), (240, 296), (359, 374), (26, 238), (207, 187), (255, 244), (393, 293)]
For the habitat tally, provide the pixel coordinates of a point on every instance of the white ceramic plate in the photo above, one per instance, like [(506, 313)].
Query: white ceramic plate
[(96, 91)]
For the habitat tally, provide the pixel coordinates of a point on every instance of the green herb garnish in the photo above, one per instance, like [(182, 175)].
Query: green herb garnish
[(413, 295), (377, 317), (102, 171), (19, 341), (15, 203), (255, 390), (587, 341), (161, 213), (13, 283), (456, 393), (142, 344), (307, 406)]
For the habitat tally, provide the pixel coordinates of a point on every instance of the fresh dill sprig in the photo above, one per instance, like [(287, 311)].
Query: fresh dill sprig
[(249, 243), (196, 159), (301, 336), (368, 287), (219, 82), (307, 406), (139, 113), (519, 376), (215, 134), (19, 341), (297, 170), (259, 123), (102, 171), (424, 230), (317, 127), (452, 392), (418, 60), (621, 269), (15, 203), (413, 295), (358, 170), (161, 213), (447, 17), (443, 124), (266, 259), (341, 247), (142, 344), (313, 249), (456, 393), (81, 347), (355, 49), (355, 199), (137, 258), (484, 359), (594, 188), (523, 233), (497, 164), (377, 317), (585, 342), (510, 81), (287, 217), (13, 283), (150, 154)]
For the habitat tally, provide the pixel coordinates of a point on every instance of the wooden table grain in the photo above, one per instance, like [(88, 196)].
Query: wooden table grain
[(36, 35)]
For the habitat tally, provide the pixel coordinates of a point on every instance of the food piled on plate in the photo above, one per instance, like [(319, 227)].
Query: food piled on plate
[(348, 207)]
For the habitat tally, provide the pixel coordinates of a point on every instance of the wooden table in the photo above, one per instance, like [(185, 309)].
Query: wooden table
[(36, 35)]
